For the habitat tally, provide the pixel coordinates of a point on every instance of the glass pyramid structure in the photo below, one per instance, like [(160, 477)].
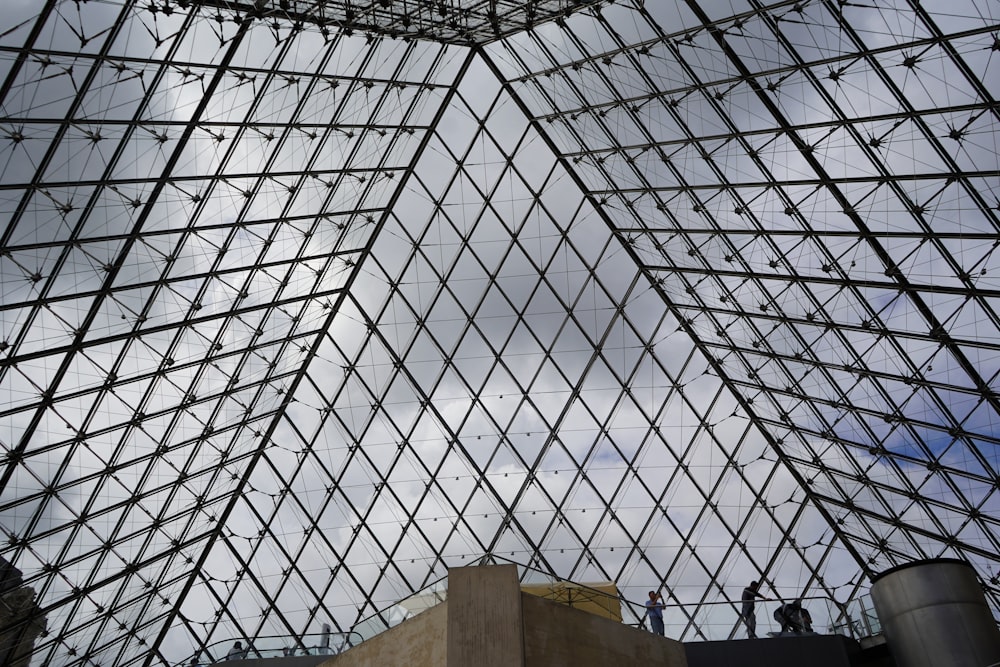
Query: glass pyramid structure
[(306, 301)]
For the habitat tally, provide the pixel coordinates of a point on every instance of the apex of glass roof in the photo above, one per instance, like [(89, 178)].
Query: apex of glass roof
[(449, 21)]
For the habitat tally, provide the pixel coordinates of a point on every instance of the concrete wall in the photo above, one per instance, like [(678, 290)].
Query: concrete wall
[(484, 620), (488, 622), (555, 634), (421, 641)]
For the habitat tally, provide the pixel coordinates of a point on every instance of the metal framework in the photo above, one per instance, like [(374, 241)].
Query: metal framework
[(304, 302), (466, 22)]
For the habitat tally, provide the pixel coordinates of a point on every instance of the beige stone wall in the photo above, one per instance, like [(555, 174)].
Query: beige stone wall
[(421, 641), (558, 635)]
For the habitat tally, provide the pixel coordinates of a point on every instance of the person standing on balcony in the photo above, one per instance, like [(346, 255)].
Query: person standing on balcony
[(237, 652), (748, 614), (654, 610)]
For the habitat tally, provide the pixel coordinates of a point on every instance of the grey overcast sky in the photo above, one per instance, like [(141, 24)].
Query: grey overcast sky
[(674, 294)]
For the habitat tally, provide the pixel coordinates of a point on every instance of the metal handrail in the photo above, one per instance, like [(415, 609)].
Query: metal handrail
[(734, 622), (398, 612), (686, 615), (335, 642), (835, 621)]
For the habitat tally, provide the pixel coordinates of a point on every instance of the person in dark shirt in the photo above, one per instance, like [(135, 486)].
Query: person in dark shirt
[(793, 617), (748, 614)]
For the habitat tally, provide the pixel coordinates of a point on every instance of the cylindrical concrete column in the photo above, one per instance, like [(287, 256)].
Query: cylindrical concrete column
[(934, 613)]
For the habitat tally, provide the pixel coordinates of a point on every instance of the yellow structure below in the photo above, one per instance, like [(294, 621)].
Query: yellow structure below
[(600, 599)]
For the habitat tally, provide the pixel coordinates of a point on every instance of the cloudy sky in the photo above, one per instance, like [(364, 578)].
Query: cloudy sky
[(676, 295)]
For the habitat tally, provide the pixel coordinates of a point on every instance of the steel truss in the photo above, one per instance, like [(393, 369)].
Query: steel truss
[(305, 302)]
